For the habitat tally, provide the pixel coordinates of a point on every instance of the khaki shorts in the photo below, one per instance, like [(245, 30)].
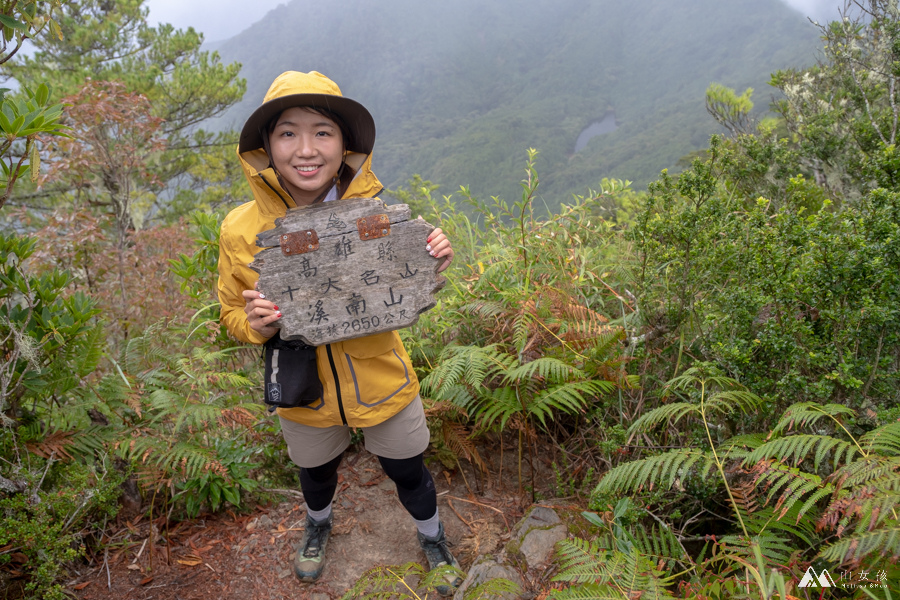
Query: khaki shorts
[(402, 436)]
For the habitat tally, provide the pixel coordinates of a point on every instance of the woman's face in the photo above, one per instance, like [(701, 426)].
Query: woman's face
[(307, 150)]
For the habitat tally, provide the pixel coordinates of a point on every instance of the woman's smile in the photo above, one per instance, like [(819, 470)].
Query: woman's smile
[(307, 151)]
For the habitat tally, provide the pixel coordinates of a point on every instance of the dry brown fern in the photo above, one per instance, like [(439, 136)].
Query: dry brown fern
[(54, 445)]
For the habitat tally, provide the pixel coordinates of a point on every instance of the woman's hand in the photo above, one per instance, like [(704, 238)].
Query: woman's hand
[(261, 313), (438, 246)]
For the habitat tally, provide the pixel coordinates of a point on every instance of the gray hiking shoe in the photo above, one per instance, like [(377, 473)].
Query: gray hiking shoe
[(309, 560), (438, 555)]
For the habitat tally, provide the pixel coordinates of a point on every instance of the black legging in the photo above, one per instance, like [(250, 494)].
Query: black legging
[(415, 486)]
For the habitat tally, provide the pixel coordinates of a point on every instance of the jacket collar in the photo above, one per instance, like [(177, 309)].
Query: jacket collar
[(273, 200)]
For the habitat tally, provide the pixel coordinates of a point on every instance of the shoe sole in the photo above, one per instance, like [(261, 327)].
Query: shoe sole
[(307, 577)]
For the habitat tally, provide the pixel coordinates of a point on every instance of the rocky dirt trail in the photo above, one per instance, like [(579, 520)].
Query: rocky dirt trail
[(247, 556)]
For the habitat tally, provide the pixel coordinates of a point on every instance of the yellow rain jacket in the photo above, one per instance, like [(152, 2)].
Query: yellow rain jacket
[(366, 380)]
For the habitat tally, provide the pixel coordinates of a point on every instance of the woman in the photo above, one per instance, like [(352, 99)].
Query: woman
[(306, 144)]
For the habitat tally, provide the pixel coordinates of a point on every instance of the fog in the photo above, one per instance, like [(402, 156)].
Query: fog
[(222, 19)]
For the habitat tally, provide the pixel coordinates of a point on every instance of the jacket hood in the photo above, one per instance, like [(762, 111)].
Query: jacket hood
[(273, 200), (317, 91)]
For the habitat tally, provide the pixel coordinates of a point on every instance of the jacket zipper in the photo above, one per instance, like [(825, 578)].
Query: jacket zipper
[(337, 383), (277, 193)]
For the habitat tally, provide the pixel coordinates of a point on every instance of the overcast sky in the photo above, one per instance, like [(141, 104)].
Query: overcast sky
[(222, 19)]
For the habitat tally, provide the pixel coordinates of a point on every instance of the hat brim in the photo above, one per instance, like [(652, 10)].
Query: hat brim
[(357, 119)]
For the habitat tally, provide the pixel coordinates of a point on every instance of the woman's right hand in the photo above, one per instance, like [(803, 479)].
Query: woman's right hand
[(261, 313)]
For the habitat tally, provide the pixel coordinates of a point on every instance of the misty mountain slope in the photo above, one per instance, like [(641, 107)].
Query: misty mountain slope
[(459, 90)]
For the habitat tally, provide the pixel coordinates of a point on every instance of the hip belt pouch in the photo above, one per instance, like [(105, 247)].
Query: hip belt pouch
[(291, 377)]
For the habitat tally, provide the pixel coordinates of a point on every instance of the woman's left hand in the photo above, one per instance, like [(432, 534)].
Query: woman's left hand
[(438, 246)]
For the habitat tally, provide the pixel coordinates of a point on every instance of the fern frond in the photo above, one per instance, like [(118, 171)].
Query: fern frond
[(673, 412), (811, 502), (882, 542), (725, 403), (521, 330), (798, 447), (702, 373), (458, 394), (90, 352), (580, 561), (484, 309), (384, 582), (776, 549), (789, 483), (806, 414), (466, 364), (230, 381), (184, 458), (588, 591), (458, 439), (785, 524), (586, 328), (76, 359), (662, 470), (883, 440), (875, 510), (605, 342), (55, 444), (550, 369), (629, 574), (867, 505), (739, 447), (493, 588), (660, 544), (568, 398), (867, 469), (592, 320), (93, 441), (499, 404)]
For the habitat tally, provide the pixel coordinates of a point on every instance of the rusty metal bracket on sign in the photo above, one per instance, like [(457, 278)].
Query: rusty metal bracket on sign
[(299, 242), (373, 227)]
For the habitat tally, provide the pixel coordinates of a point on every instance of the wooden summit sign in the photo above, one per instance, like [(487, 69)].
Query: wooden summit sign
[(346, 269)]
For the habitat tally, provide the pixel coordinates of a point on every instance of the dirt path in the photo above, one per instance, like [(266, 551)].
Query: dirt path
[(248, 556)]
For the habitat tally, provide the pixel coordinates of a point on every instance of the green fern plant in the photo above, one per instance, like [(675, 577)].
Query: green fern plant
[(809, 491), (192, 402), (605, 574), (412, 582), (522, 338)]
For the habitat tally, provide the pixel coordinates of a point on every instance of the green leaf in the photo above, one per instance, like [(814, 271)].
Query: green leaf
[(5, 124), (593, 519), (43, 94), (231, 495), (12, 23), (17, 125), (215, 494)]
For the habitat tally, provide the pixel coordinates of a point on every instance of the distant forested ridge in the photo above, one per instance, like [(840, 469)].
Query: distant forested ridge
[(461, 89)]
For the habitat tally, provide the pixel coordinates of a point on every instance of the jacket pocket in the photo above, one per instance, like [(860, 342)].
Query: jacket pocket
[(371, 345), (378, 370)]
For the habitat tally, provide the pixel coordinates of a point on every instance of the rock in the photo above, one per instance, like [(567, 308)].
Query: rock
[(319, 596), (265, 522), (486, 570), (540, 516), (387, 485), (538, 534), (283, 573)]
